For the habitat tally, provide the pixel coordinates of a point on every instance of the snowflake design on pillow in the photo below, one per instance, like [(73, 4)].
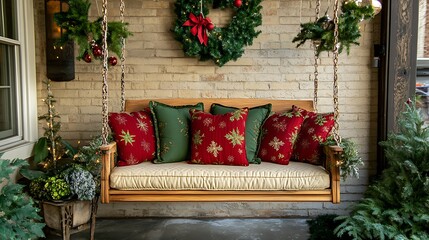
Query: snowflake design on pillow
[(120, 119), (280, 134), (127, 138), (276, 143), (235, 137), (214, 148), (134, 135), (142, 125), (219, 139)]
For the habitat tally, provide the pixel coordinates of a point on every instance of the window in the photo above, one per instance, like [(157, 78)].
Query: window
[(422, 78), (18, 115)]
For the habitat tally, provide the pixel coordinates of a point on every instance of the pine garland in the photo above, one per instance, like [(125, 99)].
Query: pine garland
[(86, 33), (322, 30), (396, 206), (224, 44)]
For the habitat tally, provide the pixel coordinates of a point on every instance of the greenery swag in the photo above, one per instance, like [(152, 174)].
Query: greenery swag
[(200, 38), (88, 35), (321, 32), (350, 158)]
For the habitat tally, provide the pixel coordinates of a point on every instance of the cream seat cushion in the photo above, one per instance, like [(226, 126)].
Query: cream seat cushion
[(184, 176)]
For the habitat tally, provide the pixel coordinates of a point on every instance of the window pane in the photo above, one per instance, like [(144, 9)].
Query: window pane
[(422, 78), (8, 27), (8, 107)]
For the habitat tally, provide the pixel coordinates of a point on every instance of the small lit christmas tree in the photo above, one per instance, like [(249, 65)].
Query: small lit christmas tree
[(50, 148)]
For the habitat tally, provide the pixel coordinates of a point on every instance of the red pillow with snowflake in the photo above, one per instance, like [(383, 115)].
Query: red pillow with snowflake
[(280, 132), (134, 136), (315, 130), (219, 139)]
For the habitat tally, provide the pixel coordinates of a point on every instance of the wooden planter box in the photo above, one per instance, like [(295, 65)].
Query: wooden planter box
[(69, 217)]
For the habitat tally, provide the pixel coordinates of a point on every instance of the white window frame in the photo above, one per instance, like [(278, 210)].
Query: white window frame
[(27, 87)]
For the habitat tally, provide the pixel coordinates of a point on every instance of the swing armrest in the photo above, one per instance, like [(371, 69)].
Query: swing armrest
[(108, 153), (332, 164)]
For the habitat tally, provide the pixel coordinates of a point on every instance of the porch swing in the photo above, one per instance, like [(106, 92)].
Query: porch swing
[(109, 150)]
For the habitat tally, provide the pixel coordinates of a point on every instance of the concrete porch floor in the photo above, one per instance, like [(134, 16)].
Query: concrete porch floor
[(197, 229)]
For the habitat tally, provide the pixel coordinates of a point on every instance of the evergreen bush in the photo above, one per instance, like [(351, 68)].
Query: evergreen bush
[(19, 218), (397, 205)]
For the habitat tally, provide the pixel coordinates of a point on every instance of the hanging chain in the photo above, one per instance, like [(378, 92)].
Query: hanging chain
[(122, 9), (317, 9), (104, 109), (316, 64), (201, 8), (337, 137)]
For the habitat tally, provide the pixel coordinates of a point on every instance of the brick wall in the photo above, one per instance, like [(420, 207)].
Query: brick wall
[(272, 68)]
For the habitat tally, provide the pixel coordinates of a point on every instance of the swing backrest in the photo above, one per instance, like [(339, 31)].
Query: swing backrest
[(278, 105)]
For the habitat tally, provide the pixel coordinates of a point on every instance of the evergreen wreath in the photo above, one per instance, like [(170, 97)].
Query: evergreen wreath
[(200, 38), (321, 32), (88, 35)]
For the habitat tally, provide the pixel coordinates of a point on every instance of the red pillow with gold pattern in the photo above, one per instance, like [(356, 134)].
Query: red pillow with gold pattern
[(280, 132), (315, 130), (219, 139), (134, 136)]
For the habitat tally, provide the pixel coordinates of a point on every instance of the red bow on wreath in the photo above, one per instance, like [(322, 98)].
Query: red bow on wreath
[(199, 25)]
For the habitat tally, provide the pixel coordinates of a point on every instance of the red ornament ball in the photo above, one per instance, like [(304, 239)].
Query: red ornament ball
[(238, 3), (113, 61), (96, 50), (210, 27), (86, 57)]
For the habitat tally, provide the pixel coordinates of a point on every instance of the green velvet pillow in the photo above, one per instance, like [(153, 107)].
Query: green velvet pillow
[(172, 131), (255, 119)]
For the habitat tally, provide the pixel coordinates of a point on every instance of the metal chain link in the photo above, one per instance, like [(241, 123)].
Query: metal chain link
[(316, 64), (122, 10), (105, 92), (336, 134), (317, 9)]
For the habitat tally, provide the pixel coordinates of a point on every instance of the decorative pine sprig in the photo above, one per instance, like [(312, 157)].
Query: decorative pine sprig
[(322, 30)]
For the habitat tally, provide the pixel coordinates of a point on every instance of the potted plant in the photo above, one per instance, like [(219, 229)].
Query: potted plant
[(65, 180)]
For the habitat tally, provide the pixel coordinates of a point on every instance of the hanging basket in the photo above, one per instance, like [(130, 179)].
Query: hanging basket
[(322, 30)]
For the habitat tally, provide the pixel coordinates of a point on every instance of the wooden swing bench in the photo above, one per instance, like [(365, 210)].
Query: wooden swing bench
[(330, 193)]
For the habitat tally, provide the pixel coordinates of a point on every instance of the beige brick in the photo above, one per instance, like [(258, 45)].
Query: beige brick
[(229, 86), (156, 4), (241, 94), (169, 53), (145, 85), (256, 86), (201, 69), (189, 94), (185, 77), (212, 77)]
